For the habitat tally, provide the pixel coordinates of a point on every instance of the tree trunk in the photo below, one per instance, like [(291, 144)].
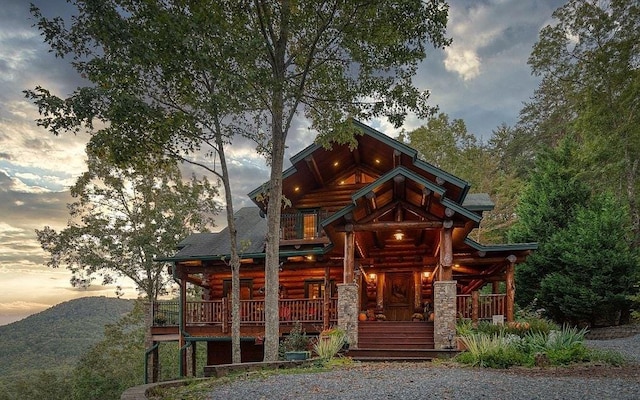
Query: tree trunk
[(236, 356), (274, 208)]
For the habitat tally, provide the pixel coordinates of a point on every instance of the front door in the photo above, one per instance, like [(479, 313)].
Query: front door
[(399, 296)]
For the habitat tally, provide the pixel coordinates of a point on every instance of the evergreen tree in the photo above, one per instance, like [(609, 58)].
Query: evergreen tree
[(594, 266), (547, 206)]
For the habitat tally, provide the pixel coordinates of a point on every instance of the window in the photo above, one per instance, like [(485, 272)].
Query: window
[(314, 289), (307, 224), (246, 289)]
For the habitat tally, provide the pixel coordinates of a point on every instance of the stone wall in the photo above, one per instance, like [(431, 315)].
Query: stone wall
[(444, 305), (348, 311)]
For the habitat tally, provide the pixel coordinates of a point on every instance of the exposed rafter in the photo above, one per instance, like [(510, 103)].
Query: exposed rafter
[(313, 166)]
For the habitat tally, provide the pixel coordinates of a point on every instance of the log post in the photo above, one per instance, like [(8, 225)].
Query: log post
[(183, 323), (380, 290), (446, 251), (475, 307), (326, 299), (349, 257), (511, 288)]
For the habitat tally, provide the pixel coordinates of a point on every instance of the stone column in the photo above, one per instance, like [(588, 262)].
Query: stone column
[(444, 304), (348, 311)]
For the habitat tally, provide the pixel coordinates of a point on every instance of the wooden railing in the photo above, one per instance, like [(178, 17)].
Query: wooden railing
[(487, 306), (218, 312), (302, 226)]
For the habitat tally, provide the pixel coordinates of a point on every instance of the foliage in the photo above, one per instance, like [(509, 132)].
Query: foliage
[(488, 167), (55, 339), (329, 343), (588, 61), (296, 340), (557, 347), (49, 385), (595, 269), (492, 351), (123, 218), (547, 205)]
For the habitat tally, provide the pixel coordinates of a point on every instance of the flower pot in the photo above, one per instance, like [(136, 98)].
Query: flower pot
[(296, 355)]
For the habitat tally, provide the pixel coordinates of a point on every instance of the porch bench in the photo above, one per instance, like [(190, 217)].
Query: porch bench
[(221, 370)]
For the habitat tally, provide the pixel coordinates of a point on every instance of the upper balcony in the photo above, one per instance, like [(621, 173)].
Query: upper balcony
[(303, 228)]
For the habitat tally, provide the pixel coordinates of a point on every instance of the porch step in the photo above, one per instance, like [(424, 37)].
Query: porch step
[(399, 355), (395, 335)]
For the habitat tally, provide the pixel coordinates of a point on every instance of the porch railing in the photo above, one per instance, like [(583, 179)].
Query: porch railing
[(487, 306), (218, 312)]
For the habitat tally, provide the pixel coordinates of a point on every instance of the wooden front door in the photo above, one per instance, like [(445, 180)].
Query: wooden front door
[(398, 296)]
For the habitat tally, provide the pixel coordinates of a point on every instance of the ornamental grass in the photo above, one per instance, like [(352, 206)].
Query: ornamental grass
[(511, 346)]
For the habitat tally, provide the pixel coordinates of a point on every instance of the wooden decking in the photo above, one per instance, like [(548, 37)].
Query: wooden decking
[(396, 341)]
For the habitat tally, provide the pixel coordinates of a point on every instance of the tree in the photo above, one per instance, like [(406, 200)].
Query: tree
[(115, 363), (588, 61), (595, 268), (487, 167), (547, 205), (123, 219), (183, 76)]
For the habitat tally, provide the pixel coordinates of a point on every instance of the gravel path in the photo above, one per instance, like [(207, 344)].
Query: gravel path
[(373, 381)]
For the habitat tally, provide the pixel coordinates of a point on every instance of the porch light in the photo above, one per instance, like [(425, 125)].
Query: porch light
[(398, 235)]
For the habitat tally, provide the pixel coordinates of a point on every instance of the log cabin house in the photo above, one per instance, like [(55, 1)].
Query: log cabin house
[(372, 229)]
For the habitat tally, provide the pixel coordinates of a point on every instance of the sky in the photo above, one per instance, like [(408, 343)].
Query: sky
[(482, 78)]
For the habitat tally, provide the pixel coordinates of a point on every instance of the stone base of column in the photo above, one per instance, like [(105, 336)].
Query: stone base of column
[(444, 305), (348, 311)]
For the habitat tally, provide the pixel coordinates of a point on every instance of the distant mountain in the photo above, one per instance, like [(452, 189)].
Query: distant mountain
[(57, 337)]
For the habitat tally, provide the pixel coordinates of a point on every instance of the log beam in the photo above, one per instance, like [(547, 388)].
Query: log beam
[(313, 166)]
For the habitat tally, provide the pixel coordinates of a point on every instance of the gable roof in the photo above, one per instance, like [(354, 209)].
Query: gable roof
[(376, 150), (252, 231)]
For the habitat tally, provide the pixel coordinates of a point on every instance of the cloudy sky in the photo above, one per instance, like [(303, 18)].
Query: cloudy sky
[(481, 78)]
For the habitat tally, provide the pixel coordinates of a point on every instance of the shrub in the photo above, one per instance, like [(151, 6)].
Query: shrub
[(297, 340), (329, 343), (502, 349)]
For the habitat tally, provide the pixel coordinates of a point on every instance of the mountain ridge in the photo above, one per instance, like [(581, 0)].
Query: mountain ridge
[(58, 336)]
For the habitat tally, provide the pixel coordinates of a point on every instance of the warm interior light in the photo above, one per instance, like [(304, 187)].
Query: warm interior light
[(398, 235), (335, 164), (377, 161), (372, 277), (426, 274), (297, 189)]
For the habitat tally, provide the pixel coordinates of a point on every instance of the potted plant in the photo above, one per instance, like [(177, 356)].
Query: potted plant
[(295, 346)]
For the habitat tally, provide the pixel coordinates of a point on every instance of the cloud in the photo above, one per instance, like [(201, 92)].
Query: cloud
[(465, 62)]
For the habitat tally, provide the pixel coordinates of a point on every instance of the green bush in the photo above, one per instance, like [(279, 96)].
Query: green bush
[(497, 346), (296, 340)]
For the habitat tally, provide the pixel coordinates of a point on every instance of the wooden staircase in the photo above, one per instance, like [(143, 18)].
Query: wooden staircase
[(396, 341)]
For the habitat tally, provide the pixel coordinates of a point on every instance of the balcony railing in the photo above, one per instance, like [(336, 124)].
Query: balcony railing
[(488, 306), (218, 312), (302, 226)]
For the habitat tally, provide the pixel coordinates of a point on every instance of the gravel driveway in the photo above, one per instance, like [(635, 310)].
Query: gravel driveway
[(372, 381)]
